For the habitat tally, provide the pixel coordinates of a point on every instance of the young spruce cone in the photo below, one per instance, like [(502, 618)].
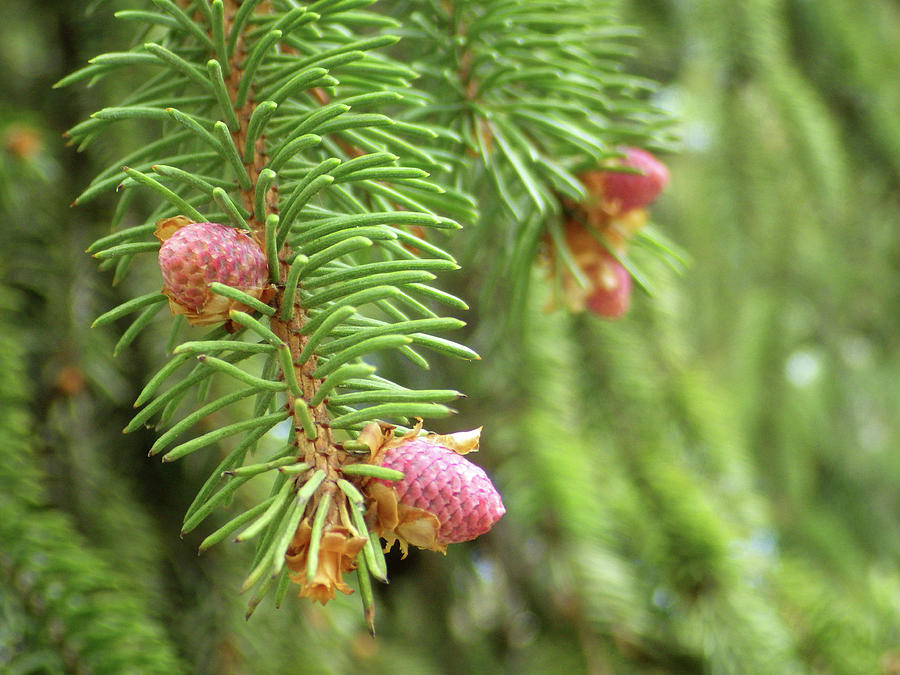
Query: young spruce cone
[(443, 498), (621, 192), (608, 290), (193, 255), (611, 295), (598, 230)]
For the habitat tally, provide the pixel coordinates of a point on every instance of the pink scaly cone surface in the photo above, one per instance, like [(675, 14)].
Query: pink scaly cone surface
[(442, 499), (448, 485), (197, 254)]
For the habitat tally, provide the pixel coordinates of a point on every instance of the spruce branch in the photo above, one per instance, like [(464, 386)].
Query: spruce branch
[(319, 187), (534, 93), (277, 123)]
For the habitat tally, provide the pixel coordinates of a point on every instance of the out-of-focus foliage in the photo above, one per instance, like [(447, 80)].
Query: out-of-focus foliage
[(708, 485)]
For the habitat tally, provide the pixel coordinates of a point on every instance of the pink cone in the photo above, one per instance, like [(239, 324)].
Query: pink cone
[(200, 253), (446, 484), (611, 296), (627, 191)]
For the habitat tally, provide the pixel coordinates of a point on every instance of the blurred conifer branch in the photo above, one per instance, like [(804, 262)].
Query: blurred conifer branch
[(66, 607)]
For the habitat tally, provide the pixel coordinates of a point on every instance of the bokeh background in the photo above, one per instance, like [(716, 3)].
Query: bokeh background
[(706, 486)]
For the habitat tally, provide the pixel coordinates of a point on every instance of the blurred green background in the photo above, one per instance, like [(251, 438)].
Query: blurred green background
[(707, 486)]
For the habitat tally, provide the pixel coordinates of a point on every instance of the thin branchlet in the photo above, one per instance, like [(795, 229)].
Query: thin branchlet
[(288, 330), (319, 452)]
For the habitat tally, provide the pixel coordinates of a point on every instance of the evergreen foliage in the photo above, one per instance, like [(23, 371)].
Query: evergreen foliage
[(268, 108), (264, 124), (707, 485), (64, 606)]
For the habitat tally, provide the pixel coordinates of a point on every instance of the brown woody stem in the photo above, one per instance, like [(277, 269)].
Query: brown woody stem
[(319, 452)]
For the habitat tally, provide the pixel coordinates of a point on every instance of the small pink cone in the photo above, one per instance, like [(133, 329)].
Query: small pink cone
[(195, 255)]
